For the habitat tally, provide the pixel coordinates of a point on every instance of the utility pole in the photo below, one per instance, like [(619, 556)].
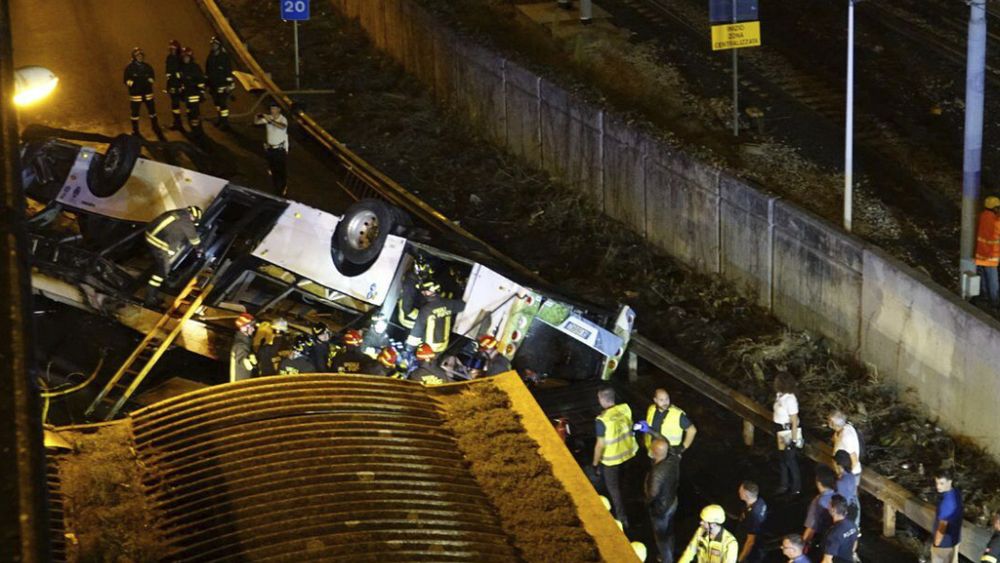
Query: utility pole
[(849, 125), (975, 74)]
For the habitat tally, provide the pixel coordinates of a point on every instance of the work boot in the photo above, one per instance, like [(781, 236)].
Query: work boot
[(178, 124), (156, 129), (135, 127), (152, 299)]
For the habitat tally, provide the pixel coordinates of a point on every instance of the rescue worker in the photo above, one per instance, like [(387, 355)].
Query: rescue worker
[(433, 322), (139, 77), (322, 349), (752, 522), (350, 358), (426, 371), (193, 87), (298, 360), (219, 72), (391, 364), (665, 420), (242, 361), (377, 337), (167, 237), (275, 145), (172, 69), (988, 249), (711, 542), (615, 445), (488, 361), (272, 341)]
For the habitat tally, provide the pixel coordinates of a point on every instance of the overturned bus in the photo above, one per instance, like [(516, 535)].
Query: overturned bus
[(275, 257)]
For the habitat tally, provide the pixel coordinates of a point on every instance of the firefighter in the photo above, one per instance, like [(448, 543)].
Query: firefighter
[(391, 363), (488, 361), (242, 361), (219, 71), (349, 358), (139, 78), (433, 322), (299, 359), (168, 236), (711, 543), (426, 371), (410, 299), (174, 87), (192, 87), (271, 340)]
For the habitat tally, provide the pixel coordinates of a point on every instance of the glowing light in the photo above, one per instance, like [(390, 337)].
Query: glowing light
[(33, 84)]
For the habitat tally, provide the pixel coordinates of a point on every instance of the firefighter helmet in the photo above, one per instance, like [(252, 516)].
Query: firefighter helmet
[(215, 40), (992, 202), (388, 357), (195, 212), (422, 267), (187, 52), (424, 352), (487, 342), (243, 320), (353, 337), (301, 343), (713, 514), (429, 286), (279, 325), (174, 44), (136, 51), (319, 328)]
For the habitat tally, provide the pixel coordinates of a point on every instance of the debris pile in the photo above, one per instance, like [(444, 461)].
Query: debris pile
[(534, 508)]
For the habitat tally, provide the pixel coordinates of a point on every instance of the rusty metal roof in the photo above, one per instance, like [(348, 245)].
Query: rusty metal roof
[(313, 467)]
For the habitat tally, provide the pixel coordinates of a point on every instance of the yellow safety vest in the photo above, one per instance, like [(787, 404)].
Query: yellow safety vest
[(670, 428), (704, 549), (619, 443)]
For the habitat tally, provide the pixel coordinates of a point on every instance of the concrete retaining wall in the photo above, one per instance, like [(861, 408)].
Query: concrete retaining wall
[(807, 272)]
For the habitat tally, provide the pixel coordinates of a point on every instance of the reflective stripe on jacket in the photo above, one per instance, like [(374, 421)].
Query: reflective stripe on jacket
[(619, 442), (670, 428), (988, 239), (704, 549)]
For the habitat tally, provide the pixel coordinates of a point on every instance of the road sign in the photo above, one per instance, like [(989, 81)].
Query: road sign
[(294, 10), (721, 11), (735, 35)]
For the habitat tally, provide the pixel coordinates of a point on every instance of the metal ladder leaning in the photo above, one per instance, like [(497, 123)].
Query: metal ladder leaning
[(138, 365)]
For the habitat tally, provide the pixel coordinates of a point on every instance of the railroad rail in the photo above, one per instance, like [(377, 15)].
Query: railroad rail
[(362, 177)]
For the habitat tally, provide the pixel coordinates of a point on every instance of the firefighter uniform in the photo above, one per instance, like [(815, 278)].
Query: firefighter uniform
[(242, 361), (139, 77), (433, 323), (352, 360), (192, 87), (408, 305), (723, 548), (219, 72), (300, 359), (167, 236), (172, 69)]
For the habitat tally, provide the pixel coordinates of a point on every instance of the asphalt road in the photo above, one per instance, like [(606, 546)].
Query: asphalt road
[(87, 43)]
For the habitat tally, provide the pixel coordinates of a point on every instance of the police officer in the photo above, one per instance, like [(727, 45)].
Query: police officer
[(192, 86), (172, 68), (242, 361), (139, 78), (299, 358), (433, 322), (167, 236), (219, 71), (711, 542), (615, 445)]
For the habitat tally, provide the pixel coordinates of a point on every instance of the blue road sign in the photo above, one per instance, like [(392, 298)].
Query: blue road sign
[(721, 11), (294, 10)]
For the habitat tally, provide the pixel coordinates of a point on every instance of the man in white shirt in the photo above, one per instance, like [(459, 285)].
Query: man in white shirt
[(276, 145), (845, 437)]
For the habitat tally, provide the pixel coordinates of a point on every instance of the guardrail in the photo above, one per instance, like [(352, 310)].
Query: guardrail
[(364, 180)]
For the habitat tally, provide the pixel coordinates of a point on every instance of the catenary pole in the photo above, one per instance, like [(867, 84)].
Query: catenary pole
[(849, 123), (975, 74)]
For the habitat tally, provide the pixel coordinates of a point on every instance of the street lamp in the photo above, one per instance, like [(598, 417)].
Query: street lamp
[(849, 125), (32, 84)]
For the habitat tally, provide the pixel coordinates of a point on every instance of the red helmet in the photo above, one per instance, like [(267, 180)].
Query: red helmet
[(388, 357), (353, 337), (425, 352), (487, 342), (174, 44), (187, 52), (243, 320)]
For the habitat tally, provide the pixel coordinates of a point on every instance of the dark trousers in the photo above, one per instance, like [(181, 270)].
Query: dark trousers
[(175, 106), (990, 283), (161, 268), (277, 162), (193, 106), (663, 533), (221, 99), (612, 482), (788, 469), (135, 106)]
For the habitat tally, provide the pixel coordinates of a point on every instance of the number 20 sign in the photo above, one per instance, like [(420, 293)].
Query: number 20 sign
[(294, 10)]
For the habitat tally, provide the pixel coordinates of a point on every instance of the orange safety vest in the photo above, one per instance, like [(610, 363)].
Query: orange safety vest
[(988, 239)]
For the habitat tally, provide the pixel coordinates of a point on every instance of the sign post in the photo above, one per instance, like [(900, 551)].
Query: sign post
[(734, 35), (295, 11)]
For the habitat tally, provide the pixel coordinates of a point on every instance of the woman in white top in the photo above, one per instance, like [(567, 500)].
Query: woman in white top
[(789, 433)]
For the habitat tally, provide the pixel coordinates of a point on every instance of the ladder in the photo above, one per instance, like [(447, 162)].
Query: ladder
[(138, 365)]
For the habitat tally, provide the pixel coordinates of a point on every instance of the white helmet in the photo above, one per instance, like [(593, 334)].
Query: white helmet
[(279, 325)]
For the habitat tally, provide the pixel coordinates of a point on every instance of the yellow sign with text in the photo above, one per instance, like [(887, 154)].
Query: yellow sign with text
[(735, 35)]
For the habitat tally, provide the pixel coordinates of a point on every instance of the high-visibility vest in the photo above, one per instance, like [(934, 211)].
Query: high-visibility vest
[(988, 239), (619, 443), (704, 549), (670, 428)]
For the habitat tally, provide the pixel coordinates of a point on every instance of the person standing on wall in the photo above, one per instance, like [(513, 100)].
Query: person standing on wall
[(275, 145), (615, 445), (988, 249), (948, 518), (788, 433)]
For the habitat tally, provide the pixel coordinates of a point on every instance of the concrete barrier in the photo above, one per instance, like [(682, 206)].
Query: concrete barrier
[(807, 272)]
